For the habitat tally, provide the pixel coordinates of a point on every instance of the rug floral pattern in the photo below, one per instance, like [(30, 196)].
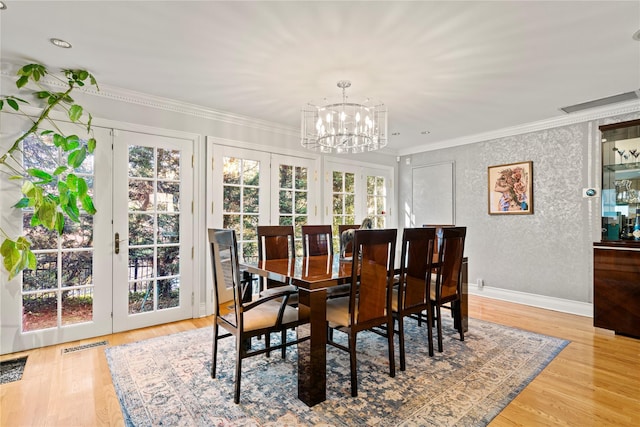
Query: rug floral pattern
[(166, 380)]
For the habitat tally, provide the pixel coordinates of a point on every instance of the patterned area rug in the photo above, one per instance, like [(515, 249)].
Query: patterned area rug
[(166, 380)]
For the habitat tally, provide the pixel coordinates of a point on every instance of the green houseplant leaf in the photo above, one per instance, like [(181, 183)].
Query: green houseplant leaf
[(51, 196)]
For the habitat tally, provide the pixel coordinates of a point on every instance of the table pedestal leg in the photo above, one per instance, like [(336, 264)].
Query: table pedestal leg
[(312, 353)]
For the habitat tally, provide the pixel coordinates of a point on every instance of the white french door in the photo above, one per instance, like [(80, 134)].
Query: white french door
[(247, 188), (153, 248), (294, 185), (238, 196), (354, 192), (68, 296)]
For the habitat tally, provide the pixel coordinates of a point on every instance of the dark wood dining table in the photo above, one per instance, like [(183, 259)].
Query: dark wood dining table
[(313, 275)]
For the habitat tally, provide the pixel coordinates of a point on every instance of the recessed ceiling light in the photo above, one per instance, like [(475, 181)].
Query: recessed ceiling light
[(425, 132), (3, 5), (61, 43), (636, 36)]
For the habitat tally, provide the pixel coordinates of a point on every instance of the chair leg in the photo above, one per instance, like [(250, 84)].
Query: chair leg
[(458, 314), (267, 343), (392, 356), (353, 363), (430, 329), (401, 341), (214, 353), (439, 322), (454, 307), (283, 341), (236, 393)]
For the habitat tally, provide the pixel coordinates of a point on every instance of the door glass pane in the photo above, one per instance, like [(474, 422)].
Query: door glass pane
[(77, 304), (40, 237), (154, 229), (141, 296), (140, 195), (250, 198), (39, 311), (169, 290), (251, 172), (343, 203), (231, 170), (168, 228), (76, 268), (78, 234), (293, 200), (168, 164), (286, 176), (45, 276), (377, 200), (141, 161), (241, 202), (140, 229), (168, 196), (286, 201), (64, 268)]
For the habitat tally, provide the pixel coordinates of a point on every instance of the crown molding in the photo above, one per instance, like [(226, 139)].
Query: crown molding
[(570, 119), (132, 97), (166, 104)]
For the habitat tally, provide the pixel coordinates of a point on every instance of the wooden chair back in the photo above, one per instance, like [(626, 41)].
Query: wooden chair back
[(373, 270), (276, 242), (415, 269), (226, 270), (448, 283), (317, 240), (439, 228)]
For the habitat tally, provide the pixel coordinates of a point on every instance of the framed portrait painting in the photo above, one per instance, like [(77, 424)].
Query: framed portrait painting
[(511, 189)]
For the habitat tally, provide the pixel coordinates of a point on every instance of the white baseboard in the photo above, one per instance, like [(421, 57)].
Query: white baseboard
[(541, 301)]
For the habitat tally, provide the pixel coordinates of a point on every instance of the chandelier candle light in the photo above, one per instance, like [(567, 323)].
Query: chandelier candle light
[(344, 127)]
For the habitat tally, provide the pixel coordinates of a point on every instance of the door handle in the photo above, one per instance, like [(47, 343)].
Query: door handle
[(117, 243)]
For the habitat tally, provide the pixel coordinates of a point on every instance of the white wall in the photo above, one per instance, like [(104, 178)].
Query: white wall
[(548, 253)]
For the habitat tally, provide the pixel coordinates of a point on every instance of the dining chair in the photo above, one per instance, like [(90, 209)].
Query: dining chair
[(411, 296), (261, 316), (317, 240), (275, 242), (447, 284), (369, 304), (439, 228)]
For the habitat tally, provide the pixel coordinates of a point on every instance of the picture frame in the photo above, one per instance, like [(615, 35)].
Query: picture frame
[(510, 189)]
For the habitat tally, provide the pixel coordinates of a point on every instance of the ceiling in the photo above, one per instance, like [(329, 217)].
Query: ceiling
[(445, 70)]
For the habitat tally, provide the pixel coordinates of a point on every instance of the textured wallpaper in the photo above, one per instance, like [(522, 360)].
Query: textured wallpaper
[(548, 253)]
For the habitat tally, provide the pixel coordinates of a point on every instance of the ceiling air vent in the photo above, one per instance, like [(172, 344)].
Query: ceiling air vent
[(628, 96)]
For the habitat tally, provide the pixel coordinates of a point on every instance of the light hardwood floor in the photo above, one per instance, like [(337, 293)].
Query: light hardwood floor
[(594, 381)]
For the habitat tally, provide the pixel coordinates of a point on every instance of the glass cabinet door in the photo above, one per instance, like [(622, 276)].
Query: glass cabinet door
[(621, 181)]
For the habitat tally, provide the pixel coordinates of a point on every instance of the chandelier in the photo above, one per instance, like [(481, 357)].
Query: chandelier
[(344, 127)]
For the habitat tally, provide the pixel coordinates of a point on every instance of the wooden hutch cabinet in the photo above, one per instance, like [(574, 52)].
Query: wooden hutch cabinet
[(616, 258)]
